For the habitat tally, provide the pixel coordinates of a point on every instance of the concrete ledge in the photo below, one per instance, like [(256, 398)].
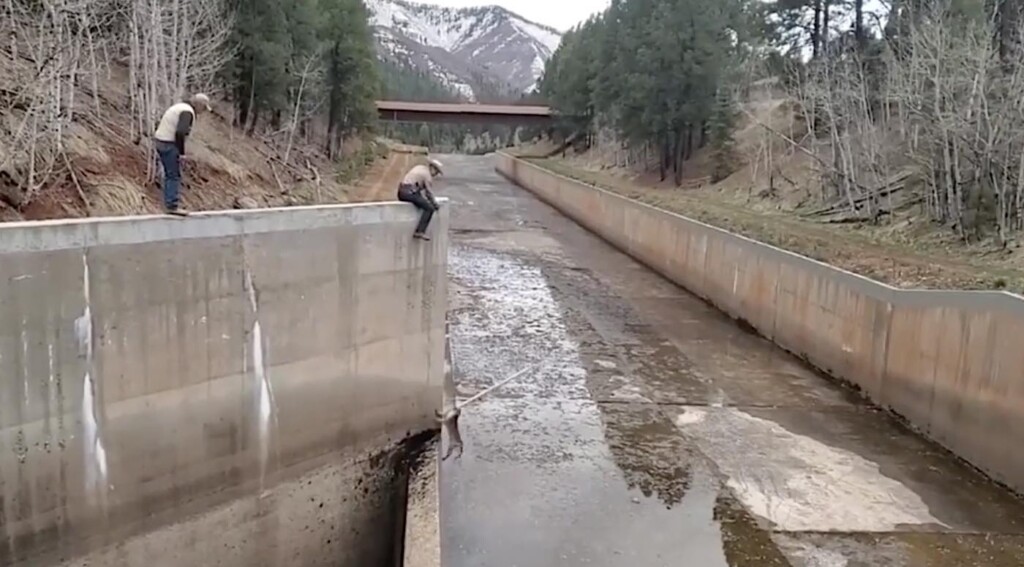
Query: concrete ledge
[(159, 369), (59, 234), (950, 362)]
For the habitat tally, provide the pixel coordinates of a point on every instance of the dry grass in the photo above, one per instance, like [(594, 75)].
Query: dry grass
[(116, 196)]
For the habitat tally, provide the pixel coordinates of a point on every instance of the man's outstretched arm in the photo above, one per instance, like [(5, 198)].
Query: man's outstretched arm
[(183, 130)]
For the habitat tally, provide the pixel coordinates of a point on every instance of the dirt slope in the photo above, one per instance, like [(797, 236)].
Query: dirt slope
[(380, 182)]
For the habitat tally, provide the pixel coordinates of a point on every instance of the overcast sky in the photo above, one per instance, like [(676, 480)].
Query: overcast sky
[(559, 14)]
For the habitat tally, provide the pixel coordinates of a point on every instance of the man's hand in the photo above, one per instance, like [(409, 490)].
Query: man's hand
[(430, 197)]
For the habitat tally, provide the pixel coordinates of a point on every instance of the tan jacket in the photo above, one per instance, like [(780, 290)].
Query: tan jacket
[(176, 125), (419, 175)]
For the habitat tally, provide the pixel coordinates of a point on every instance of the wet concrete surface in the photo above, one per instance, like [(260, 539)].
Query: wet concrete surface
[(660, 432)]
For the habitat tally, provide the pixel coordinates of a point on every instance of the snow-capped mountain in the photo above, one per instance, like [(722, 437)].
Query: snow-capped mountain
[(470, 50)]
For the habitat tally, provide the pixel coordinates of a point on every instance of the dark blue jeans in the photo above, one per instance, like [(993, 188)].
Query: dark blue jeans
[(409, 194), (172, 172)]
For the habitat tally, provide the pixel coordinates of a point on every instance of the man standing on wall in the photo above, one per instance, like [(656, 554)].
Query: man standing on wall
[(174, 128), (415, 189)]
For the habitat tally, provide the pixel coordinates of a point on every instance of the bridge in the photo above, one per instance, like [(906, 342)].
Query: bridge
[(512, 115), (229, 389)]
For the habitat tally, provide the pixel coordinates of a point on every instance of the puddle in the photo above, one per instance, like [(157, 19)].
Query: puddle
[(511, 322), (576, 482), (649, 451)]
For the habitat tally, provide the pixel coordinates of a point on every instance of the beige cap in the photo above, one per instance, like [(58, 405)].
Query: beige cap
[(201, 99)]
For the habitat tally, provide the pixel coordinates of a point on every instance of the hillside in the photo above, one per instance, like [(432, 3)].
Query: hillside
[(479, 53), (110, 174), (775, 200), (293, 120), (294, 85), (883, 139)]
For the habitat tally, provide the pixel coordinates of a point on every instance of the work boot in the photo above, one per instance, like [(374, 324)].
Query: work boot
[(177, 211), (421, 236)]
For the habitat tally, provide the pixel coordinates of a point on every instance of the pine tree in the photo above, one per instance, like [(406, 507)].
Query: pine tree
[(424, 136), (292, 55), (721, 126), (351, 82), (259, 71), (650, 70)]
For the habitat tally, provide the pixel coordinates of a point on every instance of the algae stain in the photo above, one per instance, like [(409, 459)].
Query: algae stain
[(746, 544)]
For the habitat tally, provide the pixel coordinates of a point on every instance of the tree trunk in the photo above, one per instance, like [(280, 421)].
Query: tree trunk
[(333, 111), (250, 123), (892, 28), (663, 160), (243, 108), (816, 33), (858, 24), (1007, 28), (682, 148), (826, 10)]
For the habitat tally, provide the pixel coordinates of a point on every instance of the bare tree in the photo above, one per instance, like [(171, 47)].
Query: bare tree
[(58, 49), (942, 124), (310, 72), (175, 46), (52, 48)]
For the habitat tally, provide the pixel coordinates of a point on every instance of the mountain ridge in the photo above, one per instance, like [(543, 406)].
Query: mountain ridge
[(478, 52)]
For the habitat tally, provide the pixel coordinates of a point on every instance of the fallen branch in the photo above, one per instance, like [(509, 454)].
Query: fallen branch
[(273, 158), (277, 178), (844, 205), (316, 179), (796, 145), (854, 218), (78, 186)]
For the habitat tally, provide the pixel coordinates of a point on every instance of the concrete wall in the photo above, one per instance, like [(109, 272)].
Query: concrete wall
[(217, 390), (951, 362)]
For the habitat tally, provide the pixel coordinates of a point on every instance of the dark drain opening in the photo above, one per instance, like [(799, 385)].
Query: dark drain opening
[(405, 459), (341, 510)]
